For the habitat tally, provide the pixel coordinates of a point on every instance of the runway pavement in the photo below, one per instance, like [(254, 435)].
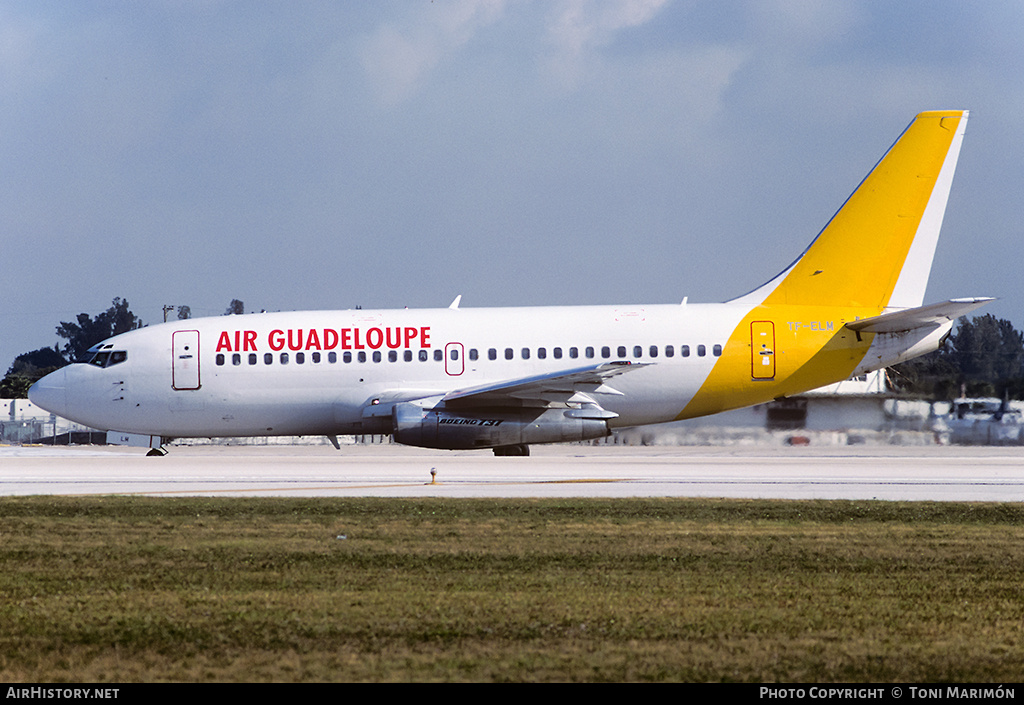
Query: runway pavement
[(940, 473)]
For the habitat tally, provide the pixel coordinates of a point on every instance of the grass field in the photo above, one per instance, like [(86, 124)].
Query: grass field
[(137, 589)]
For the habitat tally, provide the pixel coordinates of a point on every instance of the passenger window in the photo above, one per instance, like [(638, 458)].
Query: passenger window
[(361, 356), (472, 354), (300, 358), (669, 351), (438, 355), (220, 359), (621, 351), (716, 351), (376, 355), (638, 351), (407, 355), (236, 359), (284, 358), (268, 358), (654, 351), (508, 353), (606, 352), (424, 356), (574, 353), (684, 350), (590, 352), (392, 356), (557, 352), (252, 358), (316, 357), (542, 353), (454, 354), (701, 351), (492, 354), (526, 353), (346, 357), (332, 357)]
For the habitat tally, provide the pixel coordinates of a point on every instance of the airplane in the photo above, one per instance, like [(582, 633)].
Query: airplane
[(506, 378)]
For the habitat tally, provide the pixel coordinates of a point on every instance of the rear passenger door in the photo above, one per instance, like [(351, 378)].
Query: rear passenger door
[(762, 350)]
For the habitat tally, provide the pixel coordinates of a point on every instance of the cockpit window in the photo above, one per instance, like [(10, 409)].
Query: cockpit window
[(105, 358)]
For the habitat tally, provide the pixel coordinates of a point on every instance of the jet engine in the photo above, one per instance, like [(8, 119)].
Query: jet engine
[(494, 428)]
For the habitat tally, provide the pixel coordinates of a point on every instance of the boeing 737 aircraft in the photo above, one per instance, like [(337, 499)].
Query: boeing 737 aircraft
[(505, 378)]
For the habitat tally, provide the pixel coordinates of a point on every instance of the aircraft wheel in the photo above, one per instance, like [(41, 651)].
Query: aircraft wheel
[(517, 451), (156, 453)]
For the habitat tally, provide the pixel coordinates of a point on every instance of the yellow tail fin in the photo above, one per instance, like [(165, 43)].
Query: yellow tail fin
[(877, 250)]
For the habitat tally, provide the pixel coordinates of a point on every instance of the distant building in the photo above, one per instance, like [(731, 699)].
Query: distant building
[(21, 421), (857, 410)]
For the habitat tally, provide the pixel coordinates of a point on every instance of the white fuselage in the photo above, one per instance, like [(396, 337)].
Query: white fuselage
[(316, 372)]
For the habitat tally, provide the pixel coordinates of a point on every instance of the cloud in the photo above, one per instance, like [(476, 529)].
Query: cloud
[(399, 57), (578, 29)]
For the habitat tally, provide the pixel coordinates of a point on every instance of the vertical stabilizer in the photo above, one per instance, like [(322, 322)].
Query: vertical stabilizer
[(877, 250)]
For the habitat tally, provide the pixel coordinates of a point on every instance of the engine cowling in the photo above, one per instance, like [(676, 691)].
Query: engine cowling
[(491, 428)]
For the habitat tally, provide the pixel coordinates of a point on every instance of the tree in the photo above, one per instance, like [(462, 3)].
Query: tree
[(27, 369), (983, 357), (81, 335), (86, 331), (235, 307), (933, 375), (184, 313), (989, 355)]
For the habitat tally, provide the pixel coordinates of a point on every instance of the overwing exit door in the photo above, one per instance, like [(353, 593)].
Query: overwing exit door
[(762, 350), (454, 365), (185, 359)]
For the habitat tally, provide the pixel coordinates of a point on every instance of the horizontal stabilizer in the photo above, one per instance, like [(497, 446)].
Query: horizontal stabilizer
[(920, 317)]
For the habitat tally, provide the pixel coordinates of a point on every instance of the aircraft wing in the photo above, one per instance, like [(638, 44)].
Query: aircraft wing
[(920, 317), (567, 386)]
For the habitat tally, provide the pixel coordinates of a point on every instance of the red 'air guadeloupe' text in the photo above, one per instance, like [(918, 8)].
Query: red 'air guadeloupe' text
[(394, 338)]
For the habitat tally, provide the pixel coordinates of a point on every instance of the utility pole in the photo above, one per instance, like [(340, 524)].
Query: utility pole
[(166, 309)]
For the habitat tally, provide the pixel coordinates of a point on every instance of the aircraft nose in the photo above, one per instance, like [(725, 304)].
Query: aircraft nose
[(50, 393)]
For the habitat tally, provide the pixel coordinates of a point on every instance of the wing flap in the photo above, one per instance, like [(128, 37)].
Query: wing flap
[(563, 386)]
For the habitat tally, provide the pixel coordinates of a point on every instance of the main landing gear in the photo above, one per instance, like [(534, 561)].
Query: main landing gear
[(156, 453), (518, 450)]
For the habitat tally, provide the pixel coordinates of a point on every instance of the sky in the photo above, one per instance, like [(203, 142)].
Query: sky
[(323, 155)]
